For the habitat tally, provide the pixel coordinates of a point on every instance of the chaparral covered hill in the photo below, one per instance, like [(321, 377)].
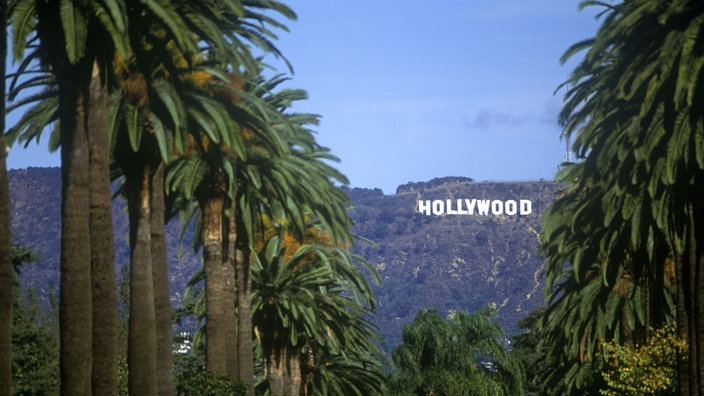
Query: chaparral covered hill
[(425, 261), (452, 261)]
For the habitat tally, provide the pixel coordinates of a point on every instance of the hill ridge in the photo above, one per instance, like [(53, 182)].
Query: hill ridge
[(442, 262)]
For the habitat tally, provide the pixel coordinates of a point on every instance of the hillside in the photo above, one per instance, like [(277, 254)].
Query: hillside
[(453, 261)]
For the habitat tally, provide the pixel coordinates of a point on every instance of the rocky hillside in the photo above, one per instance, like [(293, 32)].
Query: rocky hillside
[(480, 249), (452, 261)]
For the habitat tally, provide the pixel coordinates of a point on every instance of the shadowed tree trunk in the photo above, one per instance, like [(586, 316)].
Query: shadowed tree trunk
[(697, 274), (75, 306), (141, 354), (229, 259), (162, 298), (105, 315), (275, 371), (5, 242), (690, 297), (293, 373), (219, 281), (243, 276), (690, 300)]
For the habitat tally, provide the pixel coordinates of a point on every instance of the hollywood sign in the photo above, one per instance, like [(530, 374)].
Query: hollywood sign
[(481, 207)]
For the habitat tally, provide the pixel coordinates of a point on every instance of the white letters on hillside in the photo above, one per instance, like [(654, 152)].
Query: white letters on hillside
[(480, 207)]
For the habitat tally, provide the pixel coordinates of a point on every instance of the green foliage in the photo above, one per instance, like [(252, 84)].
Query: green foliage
[(648, 369), (460, 355), (35, 349), (525, 349), (625, 220), (191, 378), (314, 304), (35, 358)]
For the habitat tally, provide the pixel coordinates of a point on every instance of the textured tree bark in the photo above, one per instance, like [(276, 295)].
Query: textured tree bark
[(229, 259), (141, 354), (5, 278), (697, 276), (293, 374), (245, 353), (219, 288), (104, 290), (683, 326), (5, 239), (275, 372), (75, 306), (688, 307), (162, 298)]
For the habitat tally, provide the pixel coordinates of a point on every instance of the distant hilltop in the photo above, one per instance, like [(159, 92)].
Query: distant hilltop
[(411, 187)]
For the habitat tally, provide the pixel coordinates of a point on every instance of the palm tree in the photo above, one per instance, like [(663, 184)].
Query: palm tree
[(74, 43), (105, 347), (306, 315), (599, 284), (5, 239), (636, 99), (245, 185), (219, 25), (186, 105)]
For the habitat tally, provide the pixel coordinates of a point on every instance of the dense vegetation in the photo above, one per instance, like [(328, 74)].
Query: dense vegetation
[(167, 99)]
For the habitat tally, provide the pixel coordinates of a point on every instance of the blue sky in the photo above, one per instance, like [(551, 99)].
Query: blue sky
[(411, 90)]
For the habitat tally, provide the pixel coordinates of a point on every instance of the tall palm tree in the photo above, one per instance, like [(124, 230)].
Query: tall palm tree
[(185, 104), (638, 94), (221, 26), (75, 45), (72, 40), (103, 285), (281, 169), (5, 241)]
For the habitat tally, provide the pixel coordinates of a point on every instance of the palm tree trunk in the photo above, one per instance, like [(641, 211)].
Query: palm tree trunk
[(75, 307), (689, 304), (229, 260), (682, 325), (293, 374), (219, 288), (105, 316), (142, 323), (275, 371), (5, 239), (697, 275), (243, 276), (5, 278), (162, 297)]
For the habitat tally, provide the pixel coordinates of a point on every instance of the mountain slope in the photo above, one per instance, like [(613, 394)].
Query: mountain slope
[(426, 261), (452, 261)]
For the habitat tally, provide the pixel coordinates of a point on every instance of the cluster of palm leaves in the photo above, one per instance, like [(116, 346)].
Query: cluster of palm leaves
[(169, 98), (623, 241)]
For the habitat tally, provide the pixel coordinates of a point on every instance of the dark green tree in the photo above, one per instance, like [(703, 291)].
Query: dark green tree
[(464, 354), (35, 360), (634, 104), (309, 323)]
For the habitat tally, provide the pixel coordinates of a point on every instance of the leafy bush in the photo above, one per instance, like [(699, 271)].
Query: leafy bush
[(192, 379), (649, 369)]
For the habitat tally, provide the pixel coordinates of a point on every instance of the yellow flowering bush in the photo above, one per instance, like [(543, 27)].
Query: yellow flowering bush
[(649, 369)]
